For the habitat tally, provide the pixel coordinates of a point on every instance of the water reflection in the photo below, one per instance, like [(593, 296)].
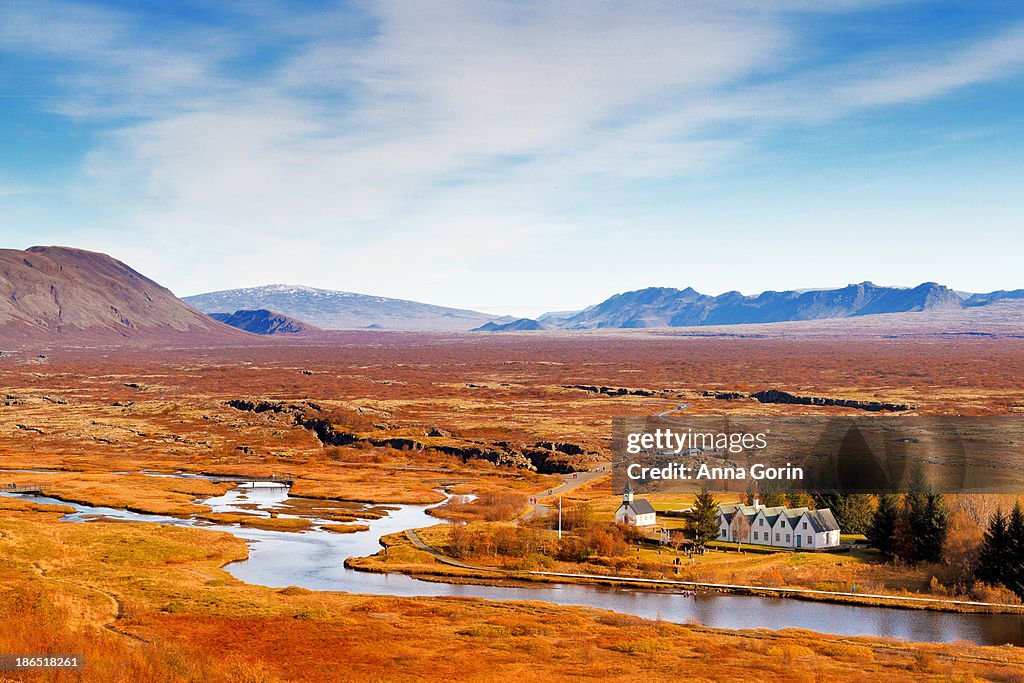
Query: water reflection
[(257, 498), (314, 559)]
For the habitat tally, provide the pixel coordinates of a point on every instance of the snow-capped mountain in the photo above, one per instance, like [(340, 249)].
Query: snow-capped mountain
[(333, 310)]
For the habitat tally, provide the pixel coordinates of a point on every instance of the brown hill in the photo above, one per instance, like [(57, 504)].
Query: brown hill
[(53, 294)]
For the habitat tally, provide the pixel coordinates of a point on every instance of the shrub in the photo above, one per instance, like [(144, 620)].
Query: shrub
[(490, 506), (986, 592), (507, 541), (789, 652), (638, 647), (925, 663), (486, 631), (603, 540), (848, 653)]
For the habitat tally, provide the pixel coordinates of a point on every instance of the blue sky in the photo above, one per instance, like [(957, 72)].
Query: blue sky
[(519, 156)]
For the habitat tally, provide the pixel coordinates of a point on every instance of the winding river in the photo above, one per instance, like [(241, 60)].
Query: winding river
[(314, 560)]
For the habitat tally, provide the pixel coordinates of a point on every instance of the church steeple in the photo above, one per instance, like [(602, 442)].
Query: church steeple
[(627, 493)]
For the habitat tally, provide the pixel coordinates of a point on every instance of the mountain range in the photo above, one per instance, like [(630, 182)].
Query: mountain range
[(59, 293), (333, 310), (667, 307)]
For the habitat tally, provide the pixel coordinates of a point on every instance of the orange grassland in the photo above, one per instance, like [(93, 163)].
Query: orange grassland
[(153, 603)]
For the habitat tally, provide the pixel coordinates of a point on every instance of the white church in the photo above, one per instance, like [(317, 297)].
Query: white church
[(635, 512)]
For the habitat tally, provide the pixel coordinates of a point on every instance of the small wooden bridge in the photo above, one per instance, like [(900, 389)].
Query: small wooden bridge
[(284, 480), (21, 488)]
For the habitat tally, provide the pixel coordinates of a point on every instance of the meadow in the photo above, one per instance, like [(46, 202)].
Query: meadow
[(154, 603)]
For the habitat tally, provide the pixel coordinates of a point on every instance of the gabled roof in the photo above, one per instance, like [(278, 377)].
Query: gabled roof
[(750, 512), (822, 520), (639, 506), (794, 516), (772, 514)]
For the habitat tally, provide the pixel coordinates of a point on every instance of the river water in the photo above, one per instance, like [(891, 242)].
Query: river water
[(314, 559)]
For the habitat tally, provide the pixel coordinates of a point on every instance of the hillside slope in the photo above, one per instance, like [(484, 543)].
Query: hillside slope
[(60, 293)]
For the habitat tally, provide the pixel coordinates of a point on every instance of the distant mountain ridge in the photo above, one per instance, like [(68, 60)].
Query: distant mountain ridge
[(262, 321), (669, 307), (520, 325), (54, 294), (1000, 295), (334, 310), (51, 294)]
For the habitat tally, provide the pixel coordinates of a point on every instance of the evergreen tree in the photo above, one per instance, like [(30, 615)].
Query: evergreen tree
[(705, 518), (923, 524), (771, 494), (853, 511), (932, 528), (832, 501), (883, 524), (1013, 569), (913, 540), (904, 540), (800, 499), (992, 560)]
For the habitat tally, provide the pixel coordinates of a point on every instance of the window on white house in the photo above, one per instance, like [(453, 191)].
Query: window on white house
[(805, 525), (760, 522), (809, 541), (787, 538), (776, 538)]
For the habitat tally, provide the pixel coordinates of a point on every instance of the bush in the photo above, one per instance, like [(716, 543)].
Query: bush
[(789, 652), (925, 663), (848, 653), (507, 541), (486, 631), (604, 540), (490, 506), (986, 592), (576, 517)]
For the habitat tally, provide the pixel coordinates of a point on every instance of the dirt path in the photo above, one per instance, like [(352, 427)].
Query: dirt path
[(571, 481), (538, 509), (115, 602), (441, 557)]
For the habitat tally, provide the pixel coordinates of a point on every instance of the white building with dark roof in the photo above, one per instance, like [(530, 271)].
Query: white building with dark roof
[(778, 526), (635, 512)]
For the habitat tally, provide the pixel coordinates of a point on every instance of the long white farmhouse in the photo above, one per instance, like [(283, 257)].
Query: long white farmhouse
[(778, 526)]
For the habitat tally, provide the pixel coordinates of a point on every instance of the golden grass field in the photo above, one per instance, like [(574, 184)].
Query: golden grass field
[(154, 603)]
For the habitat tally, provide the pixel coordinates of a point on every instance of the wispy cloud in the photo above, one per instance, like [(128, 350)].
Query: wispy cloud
[(911, 79), (454, 132)]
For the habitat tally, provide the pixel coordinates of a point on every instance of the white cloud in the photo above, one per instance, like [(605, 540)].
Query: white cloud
[(913, 80), (453, 135)]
